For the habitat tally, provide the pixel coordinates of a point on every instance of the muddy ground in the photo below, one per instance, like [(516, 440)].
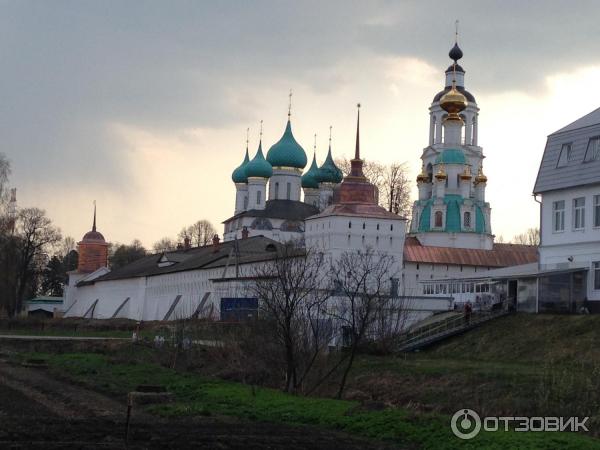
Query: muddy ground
[(38, 411)]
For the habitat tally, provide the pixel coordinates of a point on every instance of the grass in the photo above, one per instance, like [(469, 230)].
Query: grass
[(197, 395)]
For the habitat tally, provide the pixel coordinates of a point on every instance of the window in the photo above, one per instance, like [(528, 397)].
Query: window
[(439, 219), (289, 191), (276, 191), (592, 152), (467, 219), (258, 199), (245, 202), (579, 213), (377, 227), (597, 210), (349, 224), (363, 225), (565, 155), (558, 216), (597, 275)]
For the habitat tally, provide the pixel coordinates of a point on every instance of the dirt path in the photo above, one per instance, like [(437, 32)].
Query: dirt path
[(41, 412)]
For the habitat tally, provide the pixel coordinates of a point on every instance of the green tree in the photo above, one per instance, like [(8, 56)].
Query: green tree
[(125, 254)]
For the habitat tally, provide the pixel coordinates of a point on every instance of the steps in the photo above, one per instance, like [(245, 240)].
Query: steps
[(444, 329)]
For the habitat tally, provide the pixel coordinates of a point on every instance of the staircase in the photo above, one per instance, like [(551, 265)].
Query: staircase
[(443, 329)]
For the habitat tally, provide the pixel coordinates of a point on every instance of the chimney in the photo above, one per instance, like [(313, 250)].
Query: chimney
[(245, 233), (215, 242), (187, 243)]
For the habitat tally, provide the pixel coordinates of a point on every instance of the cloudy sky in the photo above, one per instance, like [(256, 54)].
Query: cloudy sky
[(143, 106)]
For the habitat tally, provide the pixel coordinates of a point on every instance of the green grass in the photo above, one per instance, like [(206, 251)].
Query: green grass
[(196, 395)]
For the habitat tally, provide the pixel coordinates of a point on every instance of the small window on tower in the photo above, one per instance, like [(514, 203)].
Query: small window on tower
[(467, 219), (289, 191), (276, 191), (439, 219), (258, 197)]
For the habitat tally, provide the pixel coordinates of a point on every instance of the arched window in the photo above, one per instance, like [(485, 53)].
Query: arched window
[(258, 197), (276, 190), (467, 219), (429, 170), (439, 219), (289, 191), (246, 202), (363, 225), (349, 224)]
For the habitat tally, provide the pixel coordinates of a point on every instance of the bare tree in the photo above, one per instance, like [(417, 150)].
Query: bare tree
[(199, 234), (391, 181), (292, 291), (165, 244), (363, 281), (530, 237)]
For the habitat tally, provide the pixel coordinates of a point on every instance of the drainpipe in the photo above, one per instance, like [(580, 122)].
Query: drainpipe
[(537, 279), (538, 249)]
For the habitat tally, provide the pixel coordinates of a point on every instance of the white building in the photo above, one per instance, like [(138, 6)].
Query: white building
[(568, 182), (451, 232)]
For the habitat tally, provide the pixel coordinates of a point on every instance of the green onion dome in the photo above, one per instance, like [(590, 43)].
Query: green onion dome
[(258, 167), (451, 156), (239, 174), (329, 172), (311, 178), (287, 152)]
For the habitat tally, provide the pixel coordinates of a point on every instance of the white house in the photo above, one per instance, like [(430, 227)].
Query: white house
[(568, 183)]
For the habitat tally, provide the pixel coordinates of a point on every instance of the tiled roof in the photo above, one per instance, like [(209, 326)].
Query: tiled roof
[(358, 209), (502, 255)]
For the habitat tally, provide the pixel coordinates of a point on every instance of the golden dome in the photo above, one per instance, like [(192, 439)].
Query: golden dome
[(453, 102), (423, 176), (480, 178), (466, 175), (441, 174)]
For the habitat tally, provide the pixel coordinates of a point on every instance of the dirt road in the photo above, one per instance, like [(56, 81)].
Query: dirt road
[(38, 411)]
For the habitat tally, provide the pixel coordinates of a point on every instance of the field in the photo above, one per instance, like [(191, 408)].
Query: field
[(518, 365)]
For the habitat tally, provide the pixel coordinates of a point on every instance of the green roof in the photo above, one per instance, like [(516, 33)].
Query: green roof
[(329, 172), (287, 152), (239, 174), (311, 178), (259, 167), (451, 156)]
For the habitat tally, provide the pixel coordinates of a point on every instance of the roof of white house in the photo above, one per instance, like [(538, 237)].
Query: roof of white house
[(572, 156)]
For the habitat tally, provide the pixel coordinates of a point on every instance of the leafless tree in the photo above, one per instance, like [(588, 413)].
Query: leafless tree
[(530, 237), (200, 233), (391, 181), (363, 282), (292, 291), (165, 244)]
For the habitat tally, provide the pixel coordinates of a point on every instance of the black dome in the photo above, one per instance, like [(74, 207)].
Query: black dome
[(455, 53), (460, 89), (458, 68)]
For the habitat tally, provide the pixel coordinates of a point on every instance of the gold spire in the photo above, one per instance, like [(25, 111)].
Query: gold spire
[(466, 175), (441, 173), (423, 177), (480, 178)]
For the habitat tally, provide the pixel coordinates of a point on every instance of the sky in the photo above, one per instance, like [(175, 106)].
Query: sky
[(143, 106)]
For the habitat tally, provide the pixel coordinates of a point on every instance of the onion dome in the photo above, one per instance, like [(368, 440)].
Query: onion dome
[(466, 174), (453, 102), (455, 52), (441, 174), (423, 177), (310, 179), (287, 152), (329, 172), (480, 178), (258, 166), (451, 156), (239, 174)]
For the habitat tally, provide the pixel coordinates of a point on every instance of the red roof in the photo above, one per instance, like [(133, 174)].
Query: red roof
[(502, 255)]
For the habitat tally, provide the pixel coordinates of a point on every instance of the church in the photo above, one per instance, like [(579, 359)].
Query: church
[(277, 199)]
